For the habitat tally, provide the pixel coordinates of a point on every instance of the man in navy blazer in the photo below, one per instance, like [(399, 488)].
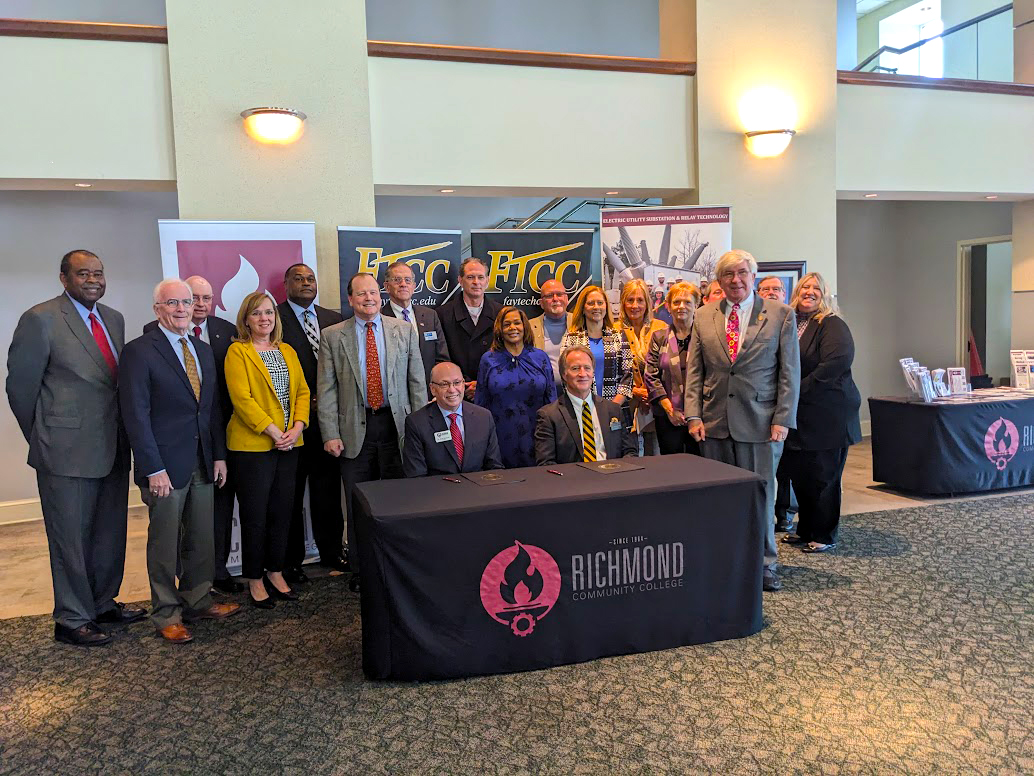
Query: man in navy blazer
[(449, 435), (168, 393), (219, 334), (400, 282)]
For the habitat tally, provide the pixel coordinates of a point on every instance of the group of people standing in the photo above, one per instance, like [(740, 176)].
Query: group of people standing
[(294, 396)]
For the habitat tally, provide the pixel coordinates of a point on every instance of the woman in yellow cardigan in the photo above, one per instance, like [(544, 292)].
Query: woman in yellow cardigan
[(270, 410)]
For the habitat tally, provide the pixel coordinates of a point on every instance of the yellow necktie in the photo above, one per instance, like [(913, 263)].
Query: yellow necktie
[(191, 366), (588, 433)]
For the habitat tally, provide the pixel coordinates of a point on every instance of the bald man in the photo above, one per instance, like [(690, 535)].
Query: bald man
[(549, 328)]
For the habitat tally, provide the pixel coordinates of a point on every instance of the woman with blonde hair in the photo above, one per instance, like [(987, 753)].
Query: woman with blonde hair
[(270, 410), (827, 415), (593, 328), (637, 324)]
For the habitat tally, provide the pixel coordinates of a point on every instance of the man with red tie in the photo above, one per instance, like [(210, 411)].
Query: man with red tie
[(370, 376), (62, 373)]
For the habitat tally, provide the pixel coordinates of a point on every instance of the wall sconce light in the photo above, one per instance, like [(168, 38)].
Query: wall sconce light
[(769, 117), (278, 126)]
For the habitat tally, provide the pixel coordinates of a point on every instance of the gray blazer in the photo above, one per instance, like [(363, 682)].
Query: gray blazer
[(62, 392), (339, 383), (744, 400)]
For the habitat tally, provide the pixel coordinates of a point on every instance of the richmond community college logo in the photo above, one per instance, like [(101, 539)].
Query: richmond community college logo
[(1001, 442), (519, 587)]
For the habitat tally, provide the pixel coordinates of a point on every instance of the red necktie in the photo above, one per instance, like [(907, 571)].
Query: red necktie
[(102, 343), (457, 438), (374, 389), (197, 332), (732, 334)]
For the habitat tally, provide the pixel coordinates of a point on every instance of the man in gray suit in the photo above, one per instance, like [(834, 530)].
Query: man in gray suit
[(62, 372), (743, 376), (369, 378)]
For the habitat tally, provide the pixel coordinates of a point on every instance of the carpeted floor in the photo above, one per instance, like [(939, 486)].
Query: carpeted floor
[(911, 650)]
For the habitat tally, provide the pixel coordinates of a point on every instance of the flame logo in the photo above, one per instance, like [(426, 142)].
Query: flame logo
[(519, 587), (239, 286), (1001, 442)]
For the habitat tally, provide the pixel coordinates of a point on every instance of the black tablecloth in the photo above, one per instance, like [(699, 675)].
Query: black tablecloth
[(952, 448), (461, 579)]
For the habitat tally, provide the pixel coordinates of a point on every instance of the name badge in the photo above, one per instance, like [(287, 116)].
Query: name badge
[(442, 436), (615, 424), (431, 335)]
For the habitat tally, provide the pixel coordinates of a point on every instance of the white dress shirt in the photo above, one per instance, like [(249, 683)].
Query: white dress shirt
[(398, 313), (576, 403), (203, 336)]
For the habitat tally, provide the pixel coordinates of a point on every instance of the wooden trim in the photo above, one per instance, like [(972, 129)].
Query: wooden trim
[(493, 56), (33, 28), (948, 84)]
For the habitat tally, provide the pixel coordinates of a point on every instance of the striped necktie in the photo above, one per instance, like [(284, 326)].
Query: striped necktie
[(588, 433), (310, 332)]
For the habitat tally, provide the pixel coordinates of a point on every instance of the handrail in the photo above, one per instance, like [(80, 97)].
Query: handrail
[(41, 28), (855, 78), (960, 26)]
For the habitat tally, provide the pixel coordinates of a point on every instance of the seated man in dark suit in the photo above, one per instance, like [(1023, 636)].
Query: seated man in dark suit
[(580, 426), (449, 435)]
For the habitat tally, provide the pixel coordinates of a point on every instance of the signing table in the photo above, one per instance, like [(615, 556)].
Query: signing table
[(460, 578), (980, 442)]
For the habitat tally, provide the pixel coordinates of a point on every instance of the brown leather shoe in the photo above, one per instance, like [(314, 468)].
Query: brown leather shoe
[(177, 633), (215, 612)]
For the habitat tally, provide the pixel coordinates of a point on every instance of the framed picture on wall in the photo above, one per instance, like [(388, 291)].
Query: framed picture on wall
[(789, 274)]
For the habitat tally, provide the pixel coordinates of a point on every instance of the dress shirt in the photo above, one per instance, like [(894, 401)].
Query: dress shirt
[(378, 335), (459, 419), (576, 403), (398, 313), (299, 313), (553, 330), (85, 315), (204, 331), (475, 312), (174, 340), (745, 309)]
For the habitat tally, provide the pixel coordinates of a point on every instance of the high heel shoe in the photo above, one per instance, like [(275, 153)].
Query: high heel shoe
[(265, 603), (290, 595)]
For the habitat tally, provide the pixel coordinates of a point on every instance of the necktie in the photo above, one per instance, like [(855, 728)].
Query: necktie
[(197, 332), (374, 389), (102, 343), (732, 333), (310, 332), (405, 316), (191, 366), (588, 432), (457, 438)]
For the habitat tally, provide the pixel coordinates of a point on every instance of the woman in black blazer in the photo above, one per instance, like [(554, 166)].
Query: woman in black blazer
[(827, 415)]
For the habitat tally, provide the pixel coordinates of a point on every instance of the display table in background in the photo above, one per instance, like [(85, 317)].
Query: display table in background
[(953, 447), (460, 579)]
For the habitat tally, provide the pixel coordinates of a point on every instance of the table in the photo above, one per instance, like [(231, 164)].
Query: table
[(461, 579), (944, 448)]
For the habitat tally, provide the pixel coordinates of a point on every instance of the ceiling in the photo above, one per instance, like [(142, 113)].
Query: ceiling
[(868, 6)]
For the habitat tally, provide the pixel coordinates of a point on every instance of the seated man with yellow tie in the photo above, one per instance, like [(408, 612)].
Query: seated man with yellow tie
[(580, 426)]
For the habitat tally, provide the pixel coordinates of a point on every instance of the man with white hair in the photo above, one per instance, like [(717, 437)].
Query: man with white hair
[(743, 376), (168, 393)]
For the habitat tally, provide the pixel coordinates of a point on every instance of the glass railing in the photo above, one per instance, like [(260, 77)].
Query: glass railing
[(979, 49)]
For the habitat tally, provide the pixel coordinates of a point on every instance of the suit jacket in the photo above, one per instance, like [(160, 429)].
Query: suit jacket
[(827, 415), (538, 330), (62, 392), (664, 376), (342, 411), (294, 336), (467, 341), (432, 351), (255, 404), (221, 333), (744, 400), (422, 455), (165, 423), (558, 438)]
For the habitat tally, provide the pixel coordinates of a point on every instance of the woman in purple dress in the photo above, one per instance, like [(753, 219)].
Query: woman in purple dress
[(514, 380)]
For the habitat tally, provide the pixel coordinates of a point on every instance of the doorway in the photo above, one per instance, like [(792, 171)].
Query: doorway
[(985, 331)]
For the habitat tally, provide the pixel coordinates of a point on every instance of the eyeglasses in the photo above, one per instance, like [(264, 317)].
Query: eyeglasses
[(206, 298), (172, 304), (448, 383), (401, 281), (555, 295)]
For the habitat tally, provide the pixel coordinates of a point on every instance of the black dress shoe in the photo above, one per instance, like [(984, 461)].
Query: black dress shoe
[(279, 595), (770, 582), (122, 614), (296, 576), (265, 603), (784, 526), (88, 635), (229, 586), (353, 583), (337, 563)]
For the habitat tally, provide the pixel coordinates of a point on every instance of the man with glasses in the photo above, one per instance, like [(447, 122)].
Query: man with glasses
[(217, 333), (400, 282), (549, 328), (449, 435)]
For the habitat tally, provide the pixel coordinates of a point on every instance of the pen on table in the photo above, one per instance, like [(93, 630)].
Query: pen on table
[(554, 471), (452, 479)]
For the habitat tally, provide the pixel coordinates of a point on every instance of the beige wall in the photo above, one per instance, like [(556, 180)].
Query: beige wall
[(783, 208), (228, 56)]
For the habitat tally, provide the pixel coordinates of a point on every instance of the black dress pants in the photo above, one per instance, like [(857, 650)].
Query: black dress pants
[(672, 439), (323, 473), (379, 459), (786, 499), (816, 478), (265, 493)]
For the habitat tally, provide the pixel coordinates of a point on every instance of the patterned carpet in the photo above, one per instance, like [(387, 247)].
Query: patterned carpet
[(909, 651)]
